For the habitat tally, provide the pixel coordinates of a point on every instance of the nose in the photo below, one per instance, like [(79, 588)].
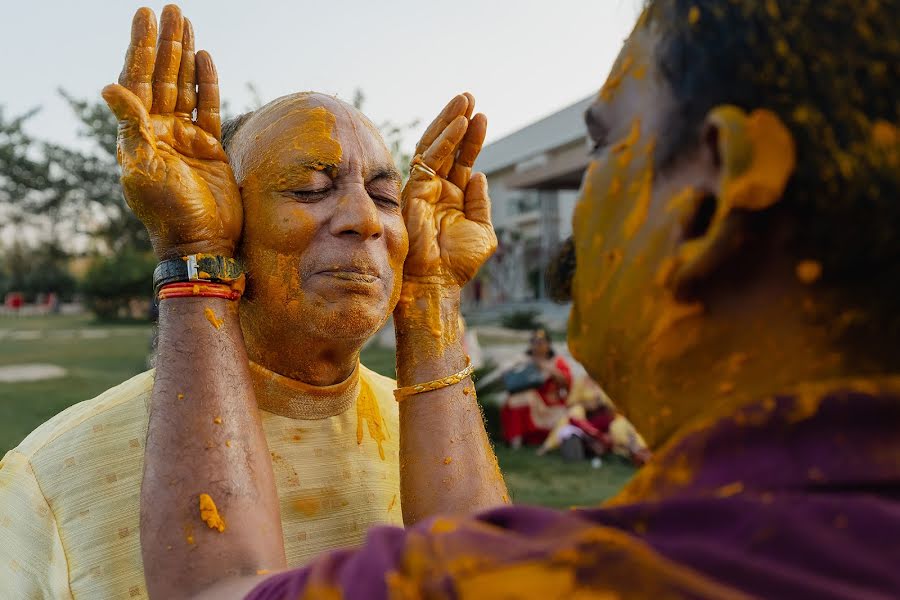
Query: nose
[(594, 123), (356, 215)]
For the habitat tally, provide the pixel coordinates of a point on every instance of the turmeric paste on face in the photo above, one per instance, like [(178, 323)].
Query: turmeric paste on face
[(210, 514)]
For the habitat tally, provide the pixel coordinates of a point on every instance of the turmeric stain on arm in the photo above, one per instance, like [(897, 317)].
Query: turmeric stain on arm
[(210, 514), (211, 317)]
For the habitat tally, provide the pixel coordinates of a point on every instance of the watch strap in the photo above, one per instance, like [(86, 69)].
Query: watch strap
[(196, 267)]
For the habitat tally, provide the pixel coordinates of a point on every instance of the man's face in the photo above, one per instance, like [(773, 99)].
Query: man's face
[(628, 226), (324, 239)]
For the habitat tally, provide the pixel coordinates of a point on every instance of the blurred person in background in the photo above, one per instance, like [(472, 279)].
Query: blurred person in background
[(593, 419), (536, 394)]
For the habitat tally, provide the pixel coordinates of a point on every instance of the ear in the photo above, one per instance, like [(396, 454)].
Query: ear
[(749, 160)]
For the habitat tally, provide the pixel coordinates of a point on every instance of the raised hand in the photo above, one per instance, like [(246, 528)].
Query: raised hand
[(448, 213), (175, 174)]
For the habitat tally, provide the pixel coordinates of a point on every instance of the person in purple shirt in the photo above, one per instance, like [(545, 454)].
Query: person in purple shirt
[(735, 290)]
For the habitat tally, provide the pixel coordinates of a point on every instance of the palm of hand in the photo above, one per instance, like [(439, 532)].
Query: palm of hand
[(447, 209), (184, 191), (442, 241)]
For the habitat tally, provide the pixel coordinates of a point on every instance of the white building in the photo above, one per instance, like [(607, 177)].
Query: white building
[(534, 175)]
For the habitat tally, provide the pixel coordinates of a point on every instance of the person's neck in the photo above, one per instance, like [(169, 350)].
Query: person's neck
[(314, 386), (788, 336)]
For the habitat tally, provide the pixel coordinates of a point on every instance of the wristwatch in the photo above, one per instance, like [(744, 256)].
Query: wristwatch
[(196, 267)]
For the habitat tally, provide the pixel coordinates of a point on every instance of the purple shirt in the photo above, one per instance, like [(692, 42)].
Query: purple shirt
[(790, 497)]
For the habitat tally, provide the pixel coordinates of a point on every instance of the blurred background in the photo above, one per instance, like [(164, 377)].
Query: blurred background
[(75, 265)]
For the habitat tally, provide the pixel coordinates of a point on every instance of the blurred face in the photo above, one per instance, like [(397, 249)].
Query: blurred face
[(324, 240), (540, 347), (629, 224)]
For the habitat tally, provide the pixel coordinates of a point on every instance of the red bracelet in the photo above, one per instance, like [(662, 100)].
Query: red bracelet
[(198, 290)]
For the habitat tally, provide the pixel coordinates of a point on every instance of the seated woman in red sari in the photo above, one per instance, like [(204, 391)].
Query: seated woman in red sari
[(528, 415), (737, 241)]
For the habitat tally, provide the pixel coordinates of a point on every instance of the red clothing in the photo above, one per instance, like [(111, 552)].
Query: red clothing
[(550, 392), (517, 421)]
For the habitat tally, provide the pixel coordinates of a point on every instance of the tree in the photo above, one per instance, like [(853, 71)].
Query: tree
[(394, 135), (22, 170), (112, 282), (85, 186)]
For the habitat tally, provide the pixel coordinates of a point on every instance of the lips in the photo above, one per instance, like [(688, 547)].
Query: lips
[(359, 274)]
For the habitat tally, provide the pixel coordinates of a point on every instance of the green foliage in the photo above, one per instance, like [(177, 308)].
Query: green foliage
[(86, 184), (20, 171), (521, 319), (36, 271), (112, 282), (66, 191)]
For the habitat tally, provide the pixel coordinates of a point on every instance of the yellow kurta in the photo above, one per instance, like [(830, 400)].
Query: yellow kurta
[(69, 493)]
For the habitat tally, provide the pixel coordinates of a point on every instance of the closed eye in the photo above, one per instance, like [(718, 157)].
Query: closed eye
[(386, 200), (309, 195)]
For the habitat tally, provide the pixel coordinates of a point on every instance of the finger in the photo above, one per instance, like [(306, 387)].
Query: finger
[(447, 165), (469, 148), (135, 140), (187, 81), (453, 109), (168, 60), (208, 117), (140, 57), (446, 143), (470, 107), (478, 203)]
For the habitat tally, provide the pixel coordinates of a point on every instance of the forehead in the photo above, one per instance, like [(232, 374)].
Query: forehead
[(634, 88), (307, 129)]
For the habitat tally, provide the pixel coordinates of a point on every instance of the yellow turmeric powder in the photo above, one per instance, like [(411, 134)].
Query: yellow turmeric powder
[(210, 514)]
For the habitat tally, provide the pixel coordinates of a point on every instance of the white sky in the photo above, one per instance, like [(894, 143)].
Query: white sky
[(523, 59)]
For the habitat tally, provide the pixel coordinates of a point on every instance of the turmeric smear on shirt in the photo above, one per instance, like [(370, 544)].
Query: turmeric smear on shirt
[(210, 514), (367, 410)]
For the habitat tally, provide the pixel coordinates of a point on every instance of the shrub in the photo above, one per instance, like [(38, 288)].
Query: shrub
[(112, 282)]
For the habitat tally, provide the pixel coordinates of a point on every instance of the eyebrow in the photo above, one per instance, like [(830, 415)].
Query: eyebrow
[(389, 173), (318, 165)]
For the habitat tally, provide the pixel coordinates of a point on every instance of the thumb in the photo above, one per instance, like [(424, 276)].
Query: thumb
[(136, 142)]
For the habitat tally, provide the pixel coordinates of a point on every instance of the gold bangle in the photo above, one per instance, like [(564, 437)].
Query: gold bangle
[(430, 386)]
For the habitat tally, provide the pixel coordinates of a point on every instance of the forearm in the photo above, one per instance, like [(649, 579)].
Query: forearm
[(447, 464), (205, 437)]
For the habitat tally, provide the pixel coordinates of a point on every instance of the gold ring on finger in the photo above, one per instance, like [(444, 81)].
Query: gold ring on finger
[(418, 163)]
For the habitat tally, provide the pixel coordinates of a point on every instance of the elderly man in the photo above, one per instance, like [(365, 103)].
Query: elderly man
[(310, 204), (737, 250)]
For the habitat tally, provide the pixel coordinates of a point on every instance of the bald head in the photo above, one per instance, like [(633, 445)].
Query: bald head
[(311, 121)]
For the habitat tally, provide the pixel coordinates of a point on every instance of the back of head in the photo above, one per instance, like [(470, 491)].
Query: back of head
[(830, 70)]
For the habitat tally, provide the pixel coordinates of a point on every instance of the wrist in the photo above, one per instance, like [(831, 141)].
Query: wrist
[(216, 248), (426, 320), (429, 300)]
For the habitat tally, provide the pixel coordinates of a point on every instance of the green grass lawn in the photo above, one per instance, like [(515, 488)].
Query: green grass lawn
[(95, 364), (551, 481)]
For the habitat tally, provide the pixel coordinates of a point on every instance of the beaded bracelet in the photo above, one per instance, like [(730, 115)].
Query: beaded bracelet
[(198, 290)]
